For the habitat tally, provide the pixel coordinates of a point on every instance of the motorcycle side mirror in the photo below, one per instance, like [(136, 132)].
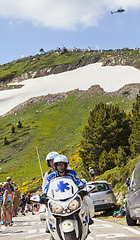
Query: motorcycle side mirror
[(84, 192), (36, 199), (128, 182), (39, 199), (92, 187)]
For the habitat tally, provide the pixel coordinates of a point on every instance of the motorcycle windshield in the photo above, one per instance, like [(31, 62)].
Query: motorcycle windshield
[(62, 188)]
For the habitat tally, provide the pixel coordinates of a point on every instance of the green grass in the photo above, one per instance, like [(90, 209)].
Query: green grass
[(117, 176), (57, 127), (38, 62)]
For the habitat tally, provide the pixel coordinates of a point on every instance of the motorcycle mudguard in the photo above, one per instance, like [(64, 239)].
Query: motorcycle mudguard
[(67, 225)]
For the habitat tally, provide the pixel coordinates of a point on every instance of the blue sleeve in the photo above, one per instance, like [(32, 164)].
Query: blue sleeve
[(49, 177), (76, 179), (44, 181)]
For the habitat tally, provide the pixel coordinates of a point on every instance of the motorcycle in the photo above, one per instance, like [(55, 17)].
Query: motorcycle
[(67, 213)]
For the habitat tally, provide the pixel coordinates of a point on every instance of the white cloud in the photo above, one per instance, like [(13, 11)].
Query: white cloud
[(61, 14)]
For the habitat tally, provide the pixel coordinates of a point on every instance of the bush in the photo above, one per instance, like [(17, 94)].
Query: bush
[(19, 125), (6, 141), (13, 129), (7, 76)]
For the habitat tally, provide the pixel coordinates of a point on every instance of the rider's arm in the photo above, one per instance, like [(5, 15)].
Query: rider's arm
[(44, 181), (49, 177), (45, 190), (76, 179)]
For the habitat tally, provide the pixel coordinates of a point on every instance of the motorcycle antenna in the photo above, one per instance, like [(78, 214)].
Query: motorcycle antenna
[(39, 162)]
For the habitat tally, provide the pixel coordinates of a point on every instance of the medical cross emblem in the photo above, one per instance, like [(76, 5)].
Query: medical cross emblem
[(51, 227), (62, 186), (86, 220)]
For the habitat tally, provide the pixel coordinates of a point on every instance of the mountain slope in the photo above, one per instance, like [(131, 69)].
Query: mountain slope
[(55, 127), (53, 122)]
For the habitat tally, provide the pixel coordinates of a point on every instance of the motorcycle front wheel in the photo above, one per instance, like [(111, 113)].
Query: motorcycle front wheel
[(70, 235)]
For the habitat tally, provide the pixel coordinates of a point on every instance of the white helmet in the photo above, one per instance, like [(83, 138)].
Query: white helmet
[(61, 159), (51, 155)]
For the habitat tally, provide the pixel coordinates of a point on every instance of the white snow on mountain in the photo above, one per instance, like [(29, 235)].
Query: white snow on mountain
[(110, 78)]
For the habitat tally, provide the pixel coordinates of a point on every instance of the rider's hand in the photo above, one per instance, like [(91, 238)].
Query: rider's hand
[(43, 198), (80, 187), (44, 195)]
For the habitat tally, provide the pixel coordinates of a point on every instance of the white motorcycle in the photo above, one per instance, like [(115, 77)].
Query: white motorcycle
[(67, 216)]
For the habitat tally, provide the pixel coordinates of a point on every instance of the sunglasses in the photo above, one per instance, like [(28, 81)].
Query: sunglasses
[(60, 164)]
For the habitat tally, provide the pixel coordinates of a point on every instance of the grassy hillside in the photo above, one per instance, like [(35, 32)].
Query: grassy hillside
[(49, 59), (117, 176), (35, 63), (57, 127)]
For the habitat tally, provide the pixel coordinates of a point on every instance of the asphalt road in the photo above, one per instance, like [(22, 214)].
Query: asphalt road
[(29, 227)]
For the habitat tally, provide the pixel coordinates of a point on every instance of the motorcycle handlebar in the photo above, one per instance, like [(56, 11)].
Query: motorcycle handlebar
[(43, 198)]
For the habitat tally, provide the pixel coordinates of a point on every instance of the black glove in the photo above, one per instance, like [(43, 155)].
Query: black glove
[(44, 195), (43, 198), (80, 187)]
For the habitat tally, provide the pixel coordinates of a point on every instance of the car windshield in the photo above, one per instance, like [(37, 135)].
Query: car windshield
[(137, 175), (100, 187)]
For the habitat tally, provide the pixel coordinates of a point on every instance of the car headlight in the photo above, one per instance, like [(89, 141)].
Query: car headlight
[(74, 204), (56, 208)]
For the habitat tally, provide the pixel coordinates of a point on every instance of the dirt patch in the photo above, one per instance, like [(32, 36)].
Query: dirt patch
[(7, 87)]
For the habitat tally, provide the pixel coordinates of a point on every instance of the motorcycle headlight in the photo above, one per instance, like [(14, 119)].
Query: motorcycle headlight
[(74, 204), (56, 208)]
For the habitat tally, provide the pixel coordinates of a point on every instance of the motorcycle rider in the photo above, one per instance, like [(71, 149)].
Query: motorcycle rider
[(49, 159), (62, 171), (61, 167), (61, 164)]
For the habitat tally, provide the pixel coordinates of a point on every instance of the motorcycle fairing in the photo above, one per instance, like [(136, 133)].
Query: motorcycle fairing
[(62, 188)]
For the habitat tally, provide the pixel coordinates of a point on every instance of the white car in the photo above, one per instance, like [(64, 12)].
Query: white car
[(133, 196), (102, 196)]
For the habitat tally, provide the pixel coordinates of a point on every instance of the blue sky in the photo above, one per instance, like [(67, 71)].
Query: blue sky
[(26, 26)]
